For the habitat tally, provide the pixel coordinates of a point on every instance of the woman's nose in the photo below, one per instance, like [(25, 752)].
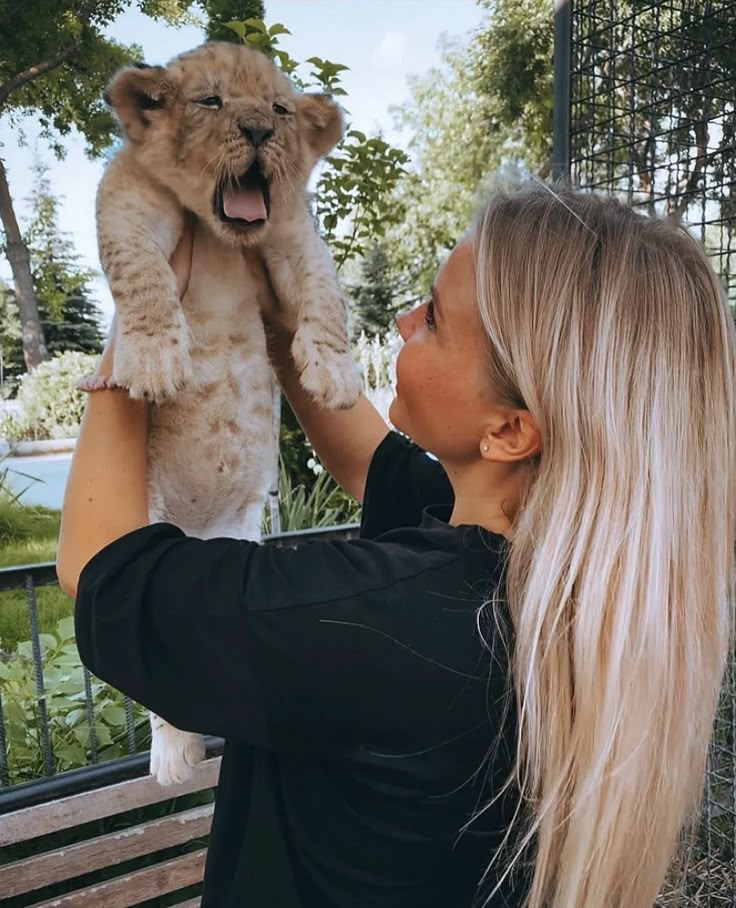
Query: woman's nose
[(406, 323)]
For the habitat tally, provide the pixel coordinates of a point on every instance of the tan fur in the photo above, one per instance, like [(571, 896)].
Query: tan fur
[(202, 361)]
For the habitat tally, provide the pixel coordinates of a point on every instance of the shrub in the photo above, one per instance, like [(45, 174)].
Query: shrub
[(50, 405), (323, 504), (65, 702)]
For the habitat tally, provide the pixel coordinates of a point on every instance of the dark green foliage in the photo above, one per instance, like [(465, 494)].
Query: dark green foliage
[(69, 94), (294, 449), (221, 11), (374, 298)]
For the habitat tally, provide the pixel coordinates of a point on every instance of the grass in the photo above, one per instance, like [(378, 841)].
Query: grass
[(28, 536)]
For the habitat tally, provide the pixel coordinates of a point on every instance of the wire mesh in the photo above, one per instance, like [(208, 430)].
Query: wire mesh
[(653, 121)]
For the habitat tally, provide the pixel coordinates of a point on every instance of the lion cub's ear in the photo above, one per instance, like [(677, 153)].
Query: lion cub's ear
[(135, 93), (321, 119)]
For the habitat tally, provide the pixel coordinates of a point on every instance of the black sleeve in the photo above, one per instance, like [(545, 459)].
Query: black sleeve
[(282, 648), (402, 481)]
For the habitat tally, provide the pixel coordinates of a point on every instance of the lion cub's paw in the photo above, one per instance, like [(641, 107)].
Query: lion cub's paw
[(153, 368), (331, 378), (174, 754)]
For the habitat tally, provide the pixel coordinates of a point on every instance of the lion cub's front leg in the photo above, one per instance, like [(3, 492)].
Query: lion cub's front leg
[(138, 229), (303, 276)]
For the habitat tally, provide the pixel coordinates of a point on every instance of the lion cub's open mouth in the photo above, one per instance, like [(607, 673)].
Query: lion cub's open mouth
[(243, 202)]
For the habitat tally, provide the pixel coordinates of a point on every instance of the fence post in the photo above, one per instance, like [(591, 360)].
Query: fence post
[(561, 93), (43, 718)]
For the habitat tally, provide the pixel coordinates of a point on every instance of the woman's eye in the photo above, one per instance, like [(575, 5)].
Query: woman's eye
[(280, 109), (429, 315), (213, 102)]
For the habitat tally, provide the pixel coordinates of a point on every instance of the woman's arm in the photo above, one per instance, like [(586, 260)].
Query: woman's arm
[(345, 440), (106, 495)]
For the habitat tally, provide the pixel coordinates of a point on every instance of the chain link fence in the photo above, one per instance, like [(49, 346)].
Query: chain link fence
[(649, 98)]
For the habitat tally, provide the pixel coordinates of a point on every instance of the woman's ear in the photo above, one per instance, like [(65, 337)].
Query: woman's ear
[(137, 94), (513, 436), (321, 121)]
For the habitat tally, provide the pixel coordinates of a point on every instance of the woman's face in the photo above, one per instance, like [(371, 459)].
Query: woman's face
[(442, 397)]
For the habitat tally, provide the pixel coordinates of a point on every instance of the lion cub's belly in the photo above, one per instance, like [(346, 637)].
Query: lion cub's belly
[(212, 449)]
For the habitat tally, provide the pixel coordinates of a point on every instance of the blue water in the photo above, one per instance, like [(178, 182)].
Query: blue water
[(41, 479)]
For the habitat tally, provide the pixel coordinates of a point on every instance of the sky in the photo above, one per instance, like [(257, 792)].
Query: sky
[(382, 41)]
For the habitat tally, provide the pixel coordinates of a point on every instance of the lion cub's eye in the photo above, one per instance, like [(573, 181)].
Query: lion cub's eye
[(280, 109), (213, 102)]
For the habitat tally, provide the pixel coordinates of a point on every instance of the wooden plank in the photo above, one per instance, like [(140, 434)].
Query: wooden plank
[(134, 888), (42, 819), (192, 903), (32, 874)]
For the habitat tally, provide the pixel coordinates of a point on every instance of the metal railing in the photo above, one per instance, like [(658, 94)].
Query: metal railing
[(100, 771)]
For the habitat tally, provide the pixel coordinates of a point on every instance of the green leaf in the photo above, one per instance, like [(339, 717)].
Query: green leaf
[(113, 715), (103, 735), (71, 753), (47, 641), (74, 716), (237, 27), (278, 29), (65, 629), (257, 24)]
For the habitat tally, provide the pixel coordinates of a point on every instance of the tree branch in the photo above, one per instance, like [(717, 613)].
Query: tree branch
[(38, 70), (689, 184)]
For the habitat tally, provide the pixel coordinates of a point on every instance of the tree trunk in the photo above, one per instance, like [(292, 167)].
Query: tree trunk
[(34, 344)]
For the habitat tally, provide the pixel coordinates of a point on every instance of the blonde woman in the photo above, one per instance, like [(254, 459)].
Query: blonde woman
[(502, 694)]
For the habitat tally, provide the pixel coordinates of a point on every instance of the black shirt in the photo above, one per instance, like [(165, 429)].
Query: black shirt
[(365, 721)]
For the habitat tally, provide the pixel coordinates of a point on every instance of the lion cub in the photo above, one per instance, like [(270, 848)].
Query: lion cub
[(221, 134)]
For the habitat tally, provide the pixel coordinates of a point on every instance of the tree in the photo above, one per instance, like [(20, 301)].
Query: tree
[(674, 124), (483, 114), (69, 318), (11, 348), (374, 296), (54, 62)]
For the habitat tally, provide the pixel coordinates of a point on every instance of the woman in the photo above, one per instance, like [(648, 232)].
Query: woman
[(504, 699)]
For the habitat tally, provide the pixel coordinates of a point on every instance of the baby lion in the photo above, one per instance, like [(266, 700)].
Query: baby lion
[(219, 133)]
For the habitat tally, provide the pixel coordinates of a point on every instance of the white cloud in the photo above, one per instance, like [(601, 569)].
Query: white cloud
[(391, 52)]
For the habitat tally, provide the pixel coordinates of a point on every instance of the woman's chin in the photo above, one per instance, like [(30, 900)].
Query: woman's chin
[(394, 414)]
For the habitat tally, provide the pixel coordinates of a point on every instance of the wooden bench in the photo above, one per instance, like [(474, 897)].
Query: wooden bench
[(38, 871)]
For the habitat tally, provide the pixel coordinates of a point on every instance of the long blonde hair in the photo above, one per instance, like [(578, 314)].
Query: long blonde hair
[(612, 330)]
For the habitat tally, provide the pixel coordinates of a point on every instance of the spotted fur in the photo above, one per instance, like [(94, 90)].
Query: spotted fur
[(202, 361)]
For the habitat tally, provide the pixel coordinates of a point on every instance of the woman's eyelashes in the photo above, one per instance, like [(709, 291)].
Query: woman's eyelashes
[(429, 315)]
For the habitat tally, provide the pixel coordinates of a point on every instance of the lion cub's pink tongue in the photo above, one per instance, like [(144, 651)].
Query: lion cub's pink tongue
[(246, 204)]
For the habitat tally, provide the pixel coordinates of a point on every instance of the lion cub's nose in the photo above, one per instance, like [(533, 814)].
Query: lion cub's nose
[(256, 135)]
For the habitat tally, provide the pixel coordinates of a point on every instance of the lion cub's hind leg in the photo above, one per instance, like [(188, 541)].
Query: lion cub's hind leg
[(174, 753)]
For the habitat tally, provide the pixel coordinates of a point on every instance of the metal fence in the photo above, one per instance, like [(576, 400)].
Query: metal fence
[(43, 707), (645, 109)]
